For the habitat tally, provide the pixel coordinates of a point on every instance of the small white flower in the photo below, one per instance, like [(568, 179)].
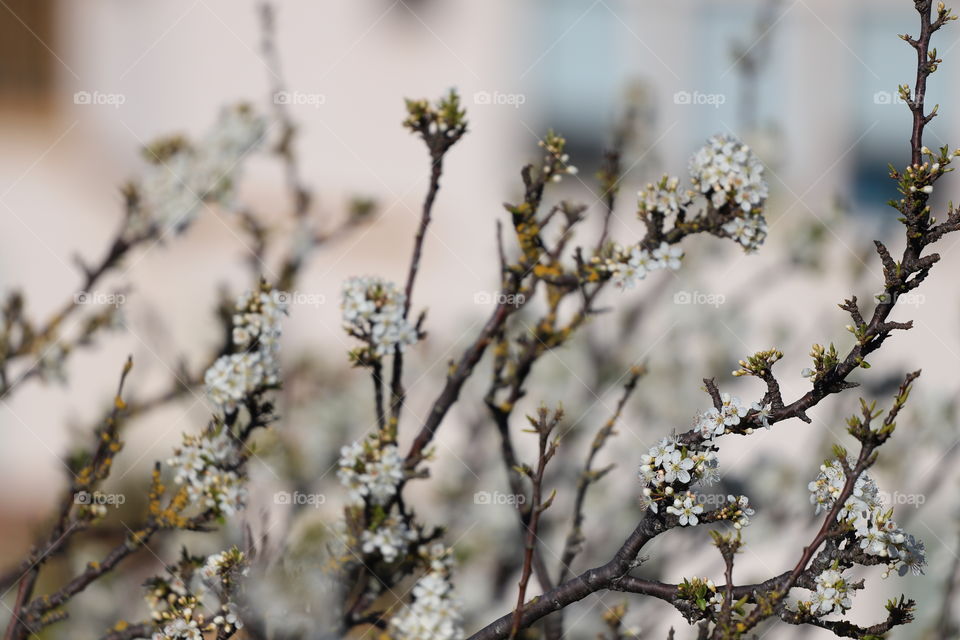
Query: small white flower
[(687, 510), (732, 409), (662, 450), (677, 468), (712, 423), (388, 539), (832, 593), (912, 557), (632, 268), (763, 413), (741, 511), (663, 196), (667, 256)]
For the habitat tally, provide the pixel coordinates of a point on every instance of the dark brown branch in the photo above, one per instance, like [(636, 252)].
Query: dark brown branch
[(544, 427)]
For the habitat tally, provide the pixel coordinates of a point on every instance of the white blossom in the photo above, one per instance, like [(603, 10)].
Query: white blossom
[(732, 409), (668, 462), (749, 231), (663, 196), (763, 413), (687, 508), (714, 422), (256, 337), (202, 464), (727, 171), (389, 539), (832, 592), (373, 472), (875, 531), (667, 256), (178, 182), (233, 377), (912, 557), (180, 629), (711, 423), (373, 311), (219, 564), (229, 619), (434, 613), (741, 511), (628, 266), (677, 468)]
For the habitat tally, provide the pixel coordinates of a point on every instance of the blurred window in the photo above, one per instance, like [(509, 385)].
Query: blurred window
[(26, 69)]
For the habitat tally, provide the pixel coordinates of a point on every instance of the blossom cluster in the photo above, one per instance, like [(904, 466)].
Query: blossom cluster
[(182, 176), (749, 231), (219, 567), (833, 592), (668, 463), (873, 525), (204, 464), (435, 610), (728, 172), (714, 421), (370, 471), (256, 339), (390, 538), (556, 163), (738, 511), (629, 265), (188, 624), (176, 609), (702, 591), (176, 604), (663, 197), (373, 311), (163, 594), (687, 508)]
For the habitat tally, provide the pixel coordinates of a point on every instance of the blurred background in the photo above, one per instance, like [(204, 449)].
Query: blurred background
[(810, 84)]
